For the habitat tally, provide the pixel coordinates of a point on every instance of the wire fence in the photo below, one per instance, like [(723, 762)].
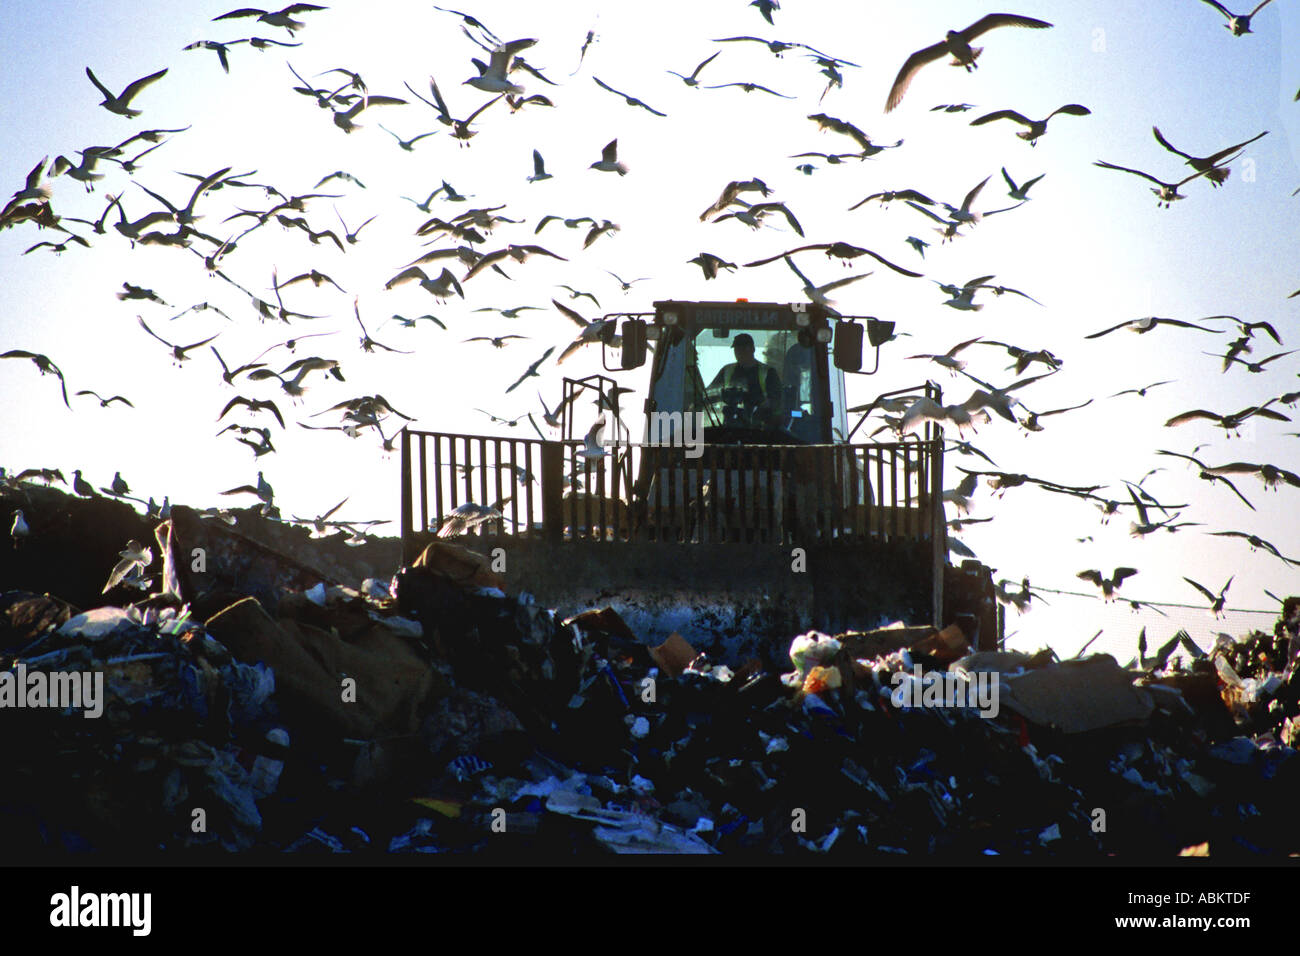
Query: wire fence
[(1072, 618)]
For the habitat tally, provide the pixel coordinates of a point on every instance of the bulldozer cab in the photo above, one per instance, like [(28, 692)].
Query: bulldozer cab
[(754, 373)]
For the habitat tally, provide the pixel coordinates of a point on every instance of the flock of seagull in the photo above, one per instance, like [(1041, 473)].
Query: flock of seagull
[(456, 258)]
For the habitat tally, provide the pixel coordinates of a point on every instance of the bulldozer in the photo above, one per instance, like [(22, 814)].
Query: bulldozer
[(746, 512)]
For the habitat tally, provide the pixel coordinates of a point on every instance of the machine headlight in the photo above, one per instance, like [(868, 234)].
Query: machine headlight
[(670, 318), (802, 320), (823, 334)]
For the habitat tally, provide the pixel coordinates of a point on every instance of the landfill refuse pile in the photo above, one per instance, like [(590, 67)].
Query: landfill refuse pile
[(264, 704)]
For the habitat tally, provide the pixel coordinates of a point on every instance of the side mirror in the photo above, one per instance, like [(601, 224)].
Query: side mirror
[(848, 346), (634, 343)]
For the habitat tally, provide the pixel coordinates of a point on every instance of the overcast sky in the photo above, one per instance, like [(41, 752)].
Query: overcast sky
[(1092, 246)]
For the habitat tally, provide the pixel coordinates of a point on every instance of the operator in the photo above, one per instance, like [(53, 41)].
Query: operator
[(751, 391)]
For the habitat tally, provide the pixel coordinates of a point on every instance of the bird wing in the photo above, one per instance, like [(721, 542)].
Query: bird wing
[(993, 20), (703, 65), (102, 88), (1165, 143), (569, 313), (1093, 576), (414, 272), (1220, 7), (1192, 416), (1071, 109), (899, 269), (970, 196), (1001, 114), (1135, 172), (129, 93), (1200, 587), (919, 208), (610, 153), (910, 67), (154, 334), (1097, 335)]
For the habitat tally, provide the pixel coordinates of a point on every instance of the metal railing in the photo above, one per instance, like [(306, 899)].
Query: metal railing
[(744, 494)]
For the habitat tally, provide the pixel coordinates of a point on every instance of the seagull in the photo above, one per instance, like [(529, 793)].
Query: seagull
[(1215, 173), (134, 558), (627, 283), (343, 119), (920, 245), (836, 125), (121, 104), (956, 44), (765, 7), (532, 370), (1238, 24), (694, 78), (594, 441), (498, 341), (83, 172), (1036, 128), (962, 296), (630, 100), (1019, 192), (841, 250), (593, 330), (278, 18), (178, 351), (19, 529), (45, 366), (367, 343), (1207, 476), (890, 195), (253, 405), (82, 487), (261, 489), (754, 215), (609, 160), (575, 294), (731, 191), (1030, 422), (539, 169), (465, 518), (1141, 392), (749, 88), (817, 294), (33, 189), (554, 418), (440, 288), (1167, 193), (406, 144), (569, 223), (105, 402), (1231, 422), (949, 359), (1270, 475), (1256, 543), (710, 264), (1216, 600), (1252, 366), (517, 253), (1144, 325), (1108, 585), (492, 77)]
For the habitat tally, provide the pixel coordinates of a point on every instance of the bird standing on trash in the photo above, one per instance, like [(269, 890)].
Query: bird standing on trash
[(19, 531)]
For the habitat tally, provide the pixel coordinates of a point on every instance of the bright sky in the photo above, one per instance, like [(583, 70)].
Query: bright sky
[(1092, 246)]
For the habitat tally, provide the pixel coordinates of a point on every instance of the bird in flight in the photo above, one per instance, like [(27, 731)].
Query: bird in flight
[(956, 44), (531, 371), (1108, 585), (630, 100), (105, 402), (1034, 128), (121, 105), (609, 160), (1209, 165), (276, 18), (1166, 193), (1217, 601), (694, 78), (44, 364), (1147, 324), (1238, 23), (841, 250)]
